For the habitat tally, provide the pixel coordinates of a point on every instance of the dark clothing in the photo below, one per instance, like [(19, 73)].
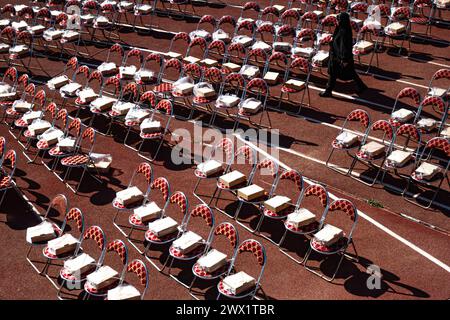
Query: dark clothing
[(340, 63)]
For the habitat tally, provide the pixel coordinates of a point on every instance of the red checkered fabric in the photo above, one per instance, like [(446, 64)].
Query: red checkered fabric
[(400, 13), (148, 96), (40, 97), (84, 70), (145, 169), (266, 28), (89, 133), (8, 8), (199, 271), (258, 85), (10, 157), (201, 42), (150, 236), (51, 108), (277, 57), (95, 233), (247, 25), (236, 46), (318, 191), (339, 245), (300, 63), (155, 57), (203, 100), (75, 126), (359, 115), (227, 20), (254, 247), (258, 53), (310, 16), (2, 145), (409, 93), (213, 75), (75, 161), (193, 254), (181, 36), (138, 267), (204, 212), (135, 53), (117, 48), (439, 143), (384, 126), (180, 199), (8, 32), (271, 10), (270, 164), (345, 206), (293, 176), (96, 75), (5, 182), (11, 73), (30, 89), (360, 7), (409, 130), (133, 219), (20, 123), (226, 144), (162, 185), (291, 14), (285, 30), (435, 102), (228, 230), (43, 13), (115, 82), (63, 115), (163, 88), (442, 74), (55, 152), (76, 215), (235, 79), (217, 44), (193, 69), (72, 63), (246, 151), (42, 145), (251, 5), (119, 247), (23, 79), (131, 88)]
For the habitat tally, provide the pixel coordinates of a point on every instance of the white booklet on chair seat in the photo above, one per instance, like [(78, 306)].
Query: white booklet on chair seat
[(301, 217), (239, 282), (66, 144), (87, 95), (250, 192), (402, 115), (305, 52), (251, 105), (57, 82), (122, 107), (243, 39), (38, 127), (19, 26), (124, 292), (103, 103), (395, 28), (148, 211), (261, 45), (328, 235), (427, 171), (143, 8), (42, 232), (277, 203), (227, 101), (427, 124), (22, 106), (446, 132), (364, 46), (163, 227), (129, 196), (102, 277), (346, 138), (282, 46), (398, 158), (440, 92), (209, 167), (70, 89), (127, 72), (64, 244), (150, 126), (212, 261), (232, 178), (107, 67), (52, 135), (373, 148), (188, 242), (70, 35), (79, 265), (29, 116), (4, 48)]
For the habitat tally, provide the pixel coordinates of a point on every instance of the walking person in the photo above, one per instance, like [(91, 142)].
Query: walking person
[(340, 64)]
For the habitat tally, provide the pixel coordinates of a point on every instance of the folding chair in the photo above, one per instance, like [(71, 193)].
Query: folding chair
[(412, 95), (162, 111), (231, 234), (419, 17), (77, 216), (265, 168), (105, 22), (436, 124), (277, 61), (258, 250), (321, 194), (8, 169), (374, 160), (182, 37), (309, 20), (10, 112), (250, 11), (303, 66), (233, 85), (209, 21), (141, 10), (439, 163), (21, 50), (164, 89), (328, 23), (179, 11), (119, 248), (58, 206), (294, 191), (193, 57), (270, 14), (340, 247), (226, 24), (180, 200), (9, 85), (366, 46), (361, 135), (140, 269), (161, 200), (129, 67), (265, 35), (223, 153), (212, 77), (145, 171), (81, 77), (192, 73), (82, 103), (114, 59), (69, 72), (205, 213), (7, 39), (245, 32), (255, 58), (291, 17), (81, 159), (151, 70), (443, 89), (257, 89), (399, 15), (234, 58), (71, 281), (216, 51)]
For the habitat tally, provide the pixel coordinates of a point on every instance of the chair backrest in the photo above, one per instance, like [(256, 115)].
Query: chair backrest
[(118, 247), (386, 128), (75, 214), (437, 143), (148, 97), (360, 116), (267, 167), (205, 213), (2, 149), (411, 133), (140, 269), (259, 88), (87, 141), (10, 74), (59, 204), (347, 207), (9, 165), (229, 231), (408, 93), (180, 199), (180, 37), (146, 171), (259, 252), (161, 184), (98, 235), (294, 177), (223, 151)]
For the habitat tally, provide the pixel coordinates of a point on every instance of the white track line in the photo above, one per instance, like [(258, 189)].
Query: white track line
[(363, 215)]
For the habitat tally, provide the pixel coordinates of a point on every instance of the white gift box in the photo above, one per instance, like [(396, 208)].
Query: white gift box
[(251, 105), (126, 5), (150, 126), (427, 170), (227, 101), (446, 132), (87, 19), (209, 167), (52, 135), (102, 277), (329, 235), (5, 88), (42, 232), (148, 211), (239, 282), (137, 114), (184, 88), (250, 192), (52, 34), (100, 162), (143, 8), (364, 46), (282, 46), (204, 92), (277, 203), (66, 144), (250, 71), (373, 148), (19, 49), (37, 29), (191, 59), (31, 115), (262, 45), (212, 261), (200, 33), (79, 265), (4, 48), (306, 52), (22, 106), (4, 23), (440, 92), (107, 68), (295, 84), (127, 72), (321, 58), (395, 28), (301, 217), (145, 75), (188, 242), (124, 292), (70, 89), (271, 77), (209, 62), (8, 96), (38, 127), (402, 115), (427, 124), (221, 35), (163, 227), (232, 178), (19, 26), (87, 95), (122, 107), (129, 196), (398, 158), (347, 139), (102, 21), (233, 67), (441, 4), (57, 82), (103, 103), (173, 55), (64, 244), (242, 39), (70, 35)]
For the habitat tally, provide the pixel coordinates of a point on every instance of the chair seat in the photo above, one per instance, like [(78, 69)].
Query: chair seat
[(12, 112), (75, 161), (338, 246), (181, 95), (42, 145), (79, 103), (151, 237), (203, 100), (55, 152), (131, 123), (336, 145), (201, 273), (47, 254), (118, 205), (286, 89), (152, 135), (134, 220), (201, 175), (220, 185), (20, 123), (303, 229), (5, 182), (278, 215), (225, 292), (163, 87), (102, 292), (188, 256)]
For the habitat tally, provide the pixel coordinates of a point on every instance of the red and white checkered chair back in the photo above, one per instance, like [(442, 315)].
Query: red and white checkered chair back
[(120, 248), (256, 248), (74, 127), (204, 212), (97, 76), (140, 269), (442, 74), (145, 169), (229, 231), (294, 176), (217, 46), (318, 191), (269, 164), (148, 97), (410, 93), (194, 71), (76, 215), (361, 116), (162, 184), (2, 148), (114, 82), (410, 131), (384, 126), (96, 233), (345, 206), (8, 166), (59, 204), (441, 144), (165, 106), (227, 19), (247, 153), (180, 199), (11, 74)]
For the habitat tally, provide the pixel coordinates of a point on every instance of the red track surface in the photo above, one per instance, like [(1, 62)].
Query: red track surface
[(406, 272)]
